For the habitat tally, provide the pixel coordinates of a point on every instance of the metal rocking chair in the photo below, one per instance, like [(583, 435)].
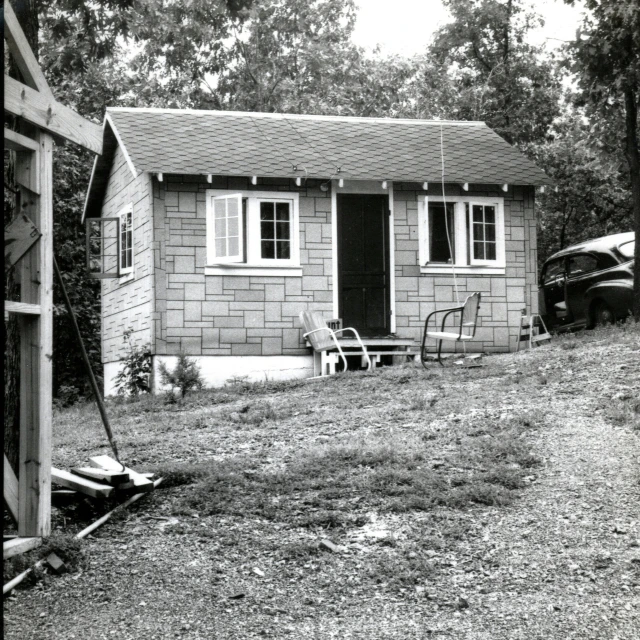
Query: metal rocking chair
[(467, 329), (325, 341)]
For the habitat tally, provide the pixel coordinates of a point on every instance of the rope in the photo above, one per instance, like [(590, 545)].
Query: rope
[(446, 224)]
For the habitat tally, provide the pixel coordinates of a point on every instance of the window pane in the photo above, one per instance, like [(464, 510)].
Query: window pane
[(478, 250), (282, 230), (233, 226), (284, 250), (490, 232), (220, 227), (266, 230), (234, 246), (268, 249), (439, 249), (478, 232), (220, 208), (282, 211), (221, 247), (477, 213), (266, 211), (490, 215), (490, 249), (232, 207)]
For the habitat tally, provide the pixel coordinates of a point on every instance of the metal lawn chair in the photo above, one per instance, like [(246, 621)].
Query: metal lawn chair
[(324, 342), (465, 331)]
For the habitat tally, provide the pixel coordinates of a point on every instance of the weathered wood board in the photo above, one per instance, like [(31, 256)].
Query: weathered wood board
[(140, 483), (83, 485), (19, 237)]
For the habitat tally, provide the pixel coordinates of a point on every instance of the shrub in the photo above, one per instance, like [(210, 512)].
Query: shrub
[(186, 376), (133, 379)]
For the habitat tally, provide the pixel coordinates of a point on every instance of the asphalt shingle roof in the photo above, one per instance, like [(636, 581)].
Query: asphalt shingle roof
[(284, 145)]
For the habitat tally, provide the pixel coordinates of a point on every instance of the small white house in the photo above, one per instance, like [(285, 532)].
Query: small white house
[(214, 230)]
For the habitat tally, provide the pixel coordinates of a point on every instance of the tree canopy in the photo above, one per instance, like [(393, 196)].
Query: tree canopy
[(298, 56)]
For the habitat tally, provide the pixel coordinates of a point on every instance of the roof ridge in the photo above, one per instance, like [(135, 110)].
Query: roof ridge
[(294, 116)]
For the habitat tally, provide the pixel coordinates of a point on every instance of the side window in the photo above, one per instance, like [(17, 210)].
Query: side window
[(553, 271), (441, 232), (125, 260), (581, 264)]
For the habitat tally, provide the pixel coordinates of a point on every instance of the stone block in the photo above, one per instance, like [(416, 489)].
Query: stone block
[(191, 345), (187, 202), (254, 318), (194, 291), (515, 294), (292, 338), (271, 346), (313, 233), (184, 264), (250, 295), (233, 336), (215, 308), (175, 318), (228, 321), (233, 283), (246, 349), (213, 285), (210, 338), (272, 311), (426, 286), (274, 292), (193, 311)]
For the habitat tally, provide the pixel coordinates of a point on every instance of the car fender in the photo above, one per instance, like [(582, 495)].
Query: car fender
[(617, 294)]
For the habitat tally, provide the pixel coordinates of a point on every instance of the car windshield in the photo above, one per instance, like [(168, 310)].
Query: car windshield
[(627, 248)]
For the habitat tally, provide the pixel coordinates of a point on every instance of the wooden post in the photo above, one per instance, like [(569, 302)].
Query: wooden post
[(36, 346)]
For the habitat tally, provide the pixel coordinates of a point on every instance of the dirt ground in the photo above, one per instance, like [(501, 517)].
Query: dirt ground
[(561, 561)]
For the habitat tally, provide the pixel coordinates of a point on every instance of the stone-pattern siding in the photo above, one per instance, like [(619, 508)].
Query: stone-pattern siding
[(233, 315), (503, 296), (127, 301), (172, 304)]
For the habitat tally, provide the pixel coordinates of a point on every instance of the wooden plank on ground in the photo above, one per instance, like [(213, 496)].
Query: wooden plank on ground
[(10, 489), (19, 545), (141, 484), (102, 475), (46, 113), (83, 485)]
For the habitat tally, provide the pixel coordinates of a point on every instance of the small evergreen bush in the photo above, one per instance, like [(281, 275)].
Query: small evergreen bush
[(133, 379), (186, 376)]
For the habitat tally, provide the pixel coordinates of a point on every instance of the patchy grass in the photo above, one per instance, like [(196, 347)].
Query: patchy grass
[(410, 472)]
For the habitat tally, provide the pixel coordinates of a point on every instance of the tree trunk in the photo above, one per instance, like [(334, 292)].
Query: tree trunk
[(633, 158)]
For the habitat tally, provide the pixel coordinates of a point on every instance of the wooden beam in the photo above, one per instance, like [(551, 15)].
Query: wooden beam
[(140, 483), (10, 489), (22, 54), (505, 187), (36, 349), (465, 186), (110, 477), (22, 308), (46, 113), (83, 485), (19, 545), (17, 142)]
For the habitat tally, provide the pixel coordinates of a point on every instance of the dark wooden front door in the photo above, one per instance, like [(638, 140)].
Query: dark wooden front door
[(363, 262)]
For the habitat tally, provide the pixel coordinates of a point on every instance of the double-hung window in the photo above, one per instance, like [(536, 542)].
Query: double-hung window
[(463, 232), (125, 248), (252, 233)]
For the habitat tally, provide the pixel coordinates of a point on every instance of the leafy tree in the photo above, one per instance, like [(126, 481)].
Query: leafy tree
[(606, 57), (503, 80), (591, 194)]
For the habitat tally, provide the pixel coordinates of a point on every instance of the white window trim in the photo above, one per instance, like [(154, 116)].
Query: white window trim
[(211, 233), (462, 266), (255, 265), (125, 273)]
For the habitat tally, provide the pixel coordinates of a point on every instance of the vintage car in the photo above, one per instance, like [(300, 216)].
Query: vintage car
[(589, 283)]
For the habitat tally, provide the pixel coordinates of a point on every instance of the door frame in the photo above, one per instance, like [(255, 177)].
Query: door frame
[(364, 187)]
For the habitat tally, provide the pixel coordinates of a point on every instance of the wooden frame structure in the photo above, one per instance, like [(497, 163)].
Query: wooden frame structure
[(42, 119)]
